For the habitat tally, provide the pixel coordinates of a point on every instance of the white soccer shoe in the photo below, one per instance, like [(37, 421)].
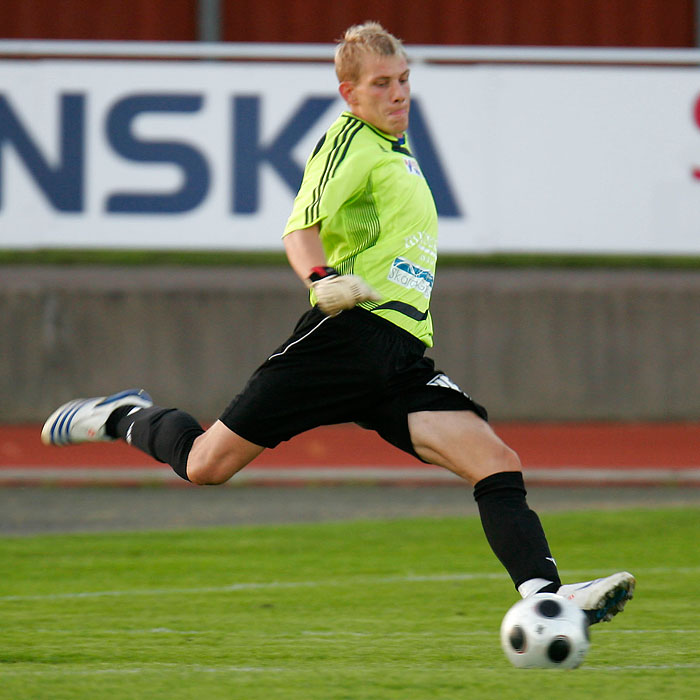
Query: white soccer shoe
[(602, 598), (84, 420)]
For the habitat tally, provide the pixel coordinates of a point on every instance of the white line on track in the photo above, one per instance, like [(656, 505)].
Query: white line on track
[(183, 668), (643, 667), (272, 585), (340, 635), (257, 585), (637, 632), (350, 581), (150, 668), (37, 474)]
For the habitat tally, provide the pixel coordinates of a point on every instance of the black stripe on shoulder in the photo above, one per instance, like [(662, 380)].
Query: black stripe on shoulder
[(348, 141), (335, 156), (320, 143), (308, 214)]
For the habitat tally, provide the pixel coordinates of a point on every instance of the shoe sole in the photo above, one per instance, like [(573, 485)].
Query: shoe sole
[(614, 600)]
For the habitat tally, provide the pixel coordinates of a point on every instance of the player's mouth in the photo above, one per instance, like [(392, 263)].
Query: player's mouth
[(399, 113)]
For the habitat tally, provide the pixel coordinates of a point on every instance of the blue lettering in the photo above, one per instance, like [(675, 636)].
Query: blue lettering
[(62, 184), (424, 149), (61, 179), (249, 154), (193, 164)]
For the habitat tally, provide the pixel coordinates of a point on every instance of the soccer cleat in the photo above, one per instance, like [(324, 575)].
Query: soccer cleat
[(84, 420), (602, 598)]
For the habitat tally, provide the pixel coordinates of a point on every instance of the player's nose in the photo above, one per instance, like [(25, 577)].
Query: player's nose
[(398, 93)]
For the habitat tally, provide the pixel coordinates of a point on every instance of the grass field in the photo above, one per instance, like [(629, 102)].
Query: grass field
[(400, 609)]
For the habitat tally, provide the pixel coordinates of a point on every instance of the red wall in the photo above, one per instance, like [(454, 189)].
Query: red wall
[(507, 22), (667, 23), (174, 20)]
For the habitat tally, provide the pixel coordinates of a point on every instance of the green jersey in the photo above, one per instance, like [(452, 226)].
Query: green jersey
[(376, 216)]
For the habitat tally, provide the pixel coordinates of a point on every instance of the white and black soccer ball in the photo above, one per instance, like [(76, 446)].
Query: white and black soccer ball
[(545, 631)]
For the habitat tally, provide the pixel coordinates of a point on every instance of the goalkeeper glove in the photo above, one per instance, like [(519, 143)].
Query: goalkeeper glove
[(335, 292)]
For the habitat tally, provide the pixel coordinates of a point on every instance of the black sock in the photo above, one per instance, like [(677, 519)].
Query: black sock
[(513, 530), (112, 424), (166, 434)]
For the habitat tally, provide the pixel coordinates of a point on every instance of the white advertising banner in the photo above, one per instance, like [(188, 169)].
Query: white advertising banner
[(200, 155)]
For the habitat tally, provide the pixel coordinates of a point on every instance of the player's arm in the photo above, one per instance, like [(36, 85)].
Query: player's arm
[(305, 251), (334, 292)]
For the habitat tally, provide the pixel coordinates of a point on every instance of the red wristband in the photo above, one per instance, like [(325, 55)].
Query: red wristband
[(319, 273)]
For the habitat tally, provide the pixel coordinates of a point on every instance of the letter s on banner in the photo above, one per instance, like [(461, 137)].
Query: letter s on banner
[(193, 164)]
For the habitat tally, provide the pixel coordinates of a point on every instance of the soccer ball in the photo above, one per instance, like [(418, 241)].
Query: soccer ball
[(545, 631)]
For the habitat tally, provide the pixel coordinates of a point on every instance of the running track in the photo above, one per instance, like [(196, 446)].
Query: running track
[(552, 454)]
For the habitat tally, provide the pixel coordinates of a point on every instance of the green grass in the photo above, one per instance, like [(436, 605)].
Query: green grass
[(404, 609)]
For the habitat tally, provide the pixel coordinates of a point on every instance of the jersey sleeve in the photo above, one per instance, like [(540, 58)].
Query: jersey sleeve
[(333, 176)]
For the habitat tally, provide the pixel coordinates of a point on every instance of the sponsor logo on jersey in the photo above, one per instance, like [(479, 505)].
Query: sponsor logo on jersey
[(409, 275), (426, 244), (413, 167)]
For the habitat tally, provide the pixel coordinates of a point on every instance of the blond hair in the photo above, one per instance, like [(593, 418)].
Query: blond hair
[(360, 40)]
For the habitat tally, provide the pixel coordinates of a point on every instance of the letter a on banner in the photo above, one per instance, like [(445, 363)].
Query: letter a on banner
[(429, 160)]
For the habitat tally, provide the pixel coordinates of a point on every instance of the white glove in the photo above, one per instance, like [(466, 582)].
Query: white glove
[(338, 292)]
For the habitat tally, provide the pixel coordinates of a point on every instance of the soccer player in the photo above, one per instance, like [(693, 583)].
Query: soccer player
[(362, 236)]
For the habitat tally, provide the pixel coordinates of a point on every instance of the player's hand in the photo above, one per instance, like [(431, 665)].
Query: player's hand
[(335, 293)]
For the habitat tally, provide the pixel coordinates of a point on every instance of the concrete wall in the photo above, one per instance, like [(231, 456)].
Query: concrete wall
[(561, 345), (529, 344)]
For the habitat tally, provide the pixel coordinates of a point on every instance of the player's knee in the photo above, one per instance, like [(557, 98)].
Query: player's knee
[(207, 469), (206, 473), (218, 454), (508, 460), (499, 458)]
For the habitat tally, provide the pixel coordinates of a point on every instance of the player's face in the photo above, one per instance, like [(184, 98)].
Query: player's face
[(382, 94)]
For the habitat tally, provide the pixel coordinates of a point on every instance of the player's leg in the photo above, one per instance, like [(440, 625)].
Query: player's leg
[(304, 383), (465, 444), (173, 436), (218, 454), (462, 442), (166, 434)]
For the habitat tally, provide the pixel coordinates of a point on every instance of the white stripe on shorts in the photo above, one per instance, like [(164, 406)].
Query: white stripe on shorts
[(306, 335)]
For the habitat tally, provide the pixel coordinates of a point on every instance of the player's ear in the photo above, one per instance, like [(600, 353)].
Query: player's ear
[(347, 92)]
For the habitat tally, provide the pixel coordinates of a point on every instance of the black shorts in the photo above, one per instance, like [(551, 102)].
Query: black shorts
[(350, 368)]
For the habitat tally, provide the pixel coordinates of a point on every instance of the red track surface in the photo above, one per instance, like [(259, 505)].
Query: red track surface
[(672, 446)]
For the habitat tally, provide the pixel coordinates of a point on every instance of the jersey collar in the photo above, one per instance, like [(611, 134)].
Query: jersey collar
[(397, 144)]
